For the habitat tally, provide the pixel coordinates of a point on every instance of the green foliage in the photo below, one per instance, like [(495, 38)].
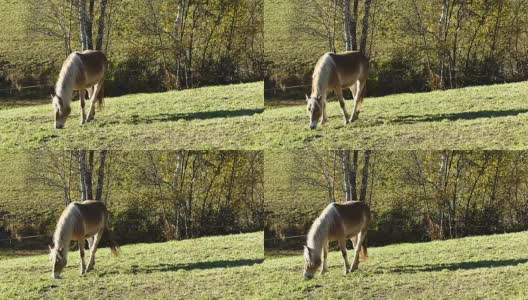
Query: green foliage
[(479, 42), (481, 192), (214, 193)]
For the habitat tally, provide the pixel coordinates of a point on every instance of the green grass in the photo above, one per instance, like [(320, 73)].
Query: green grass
[(222, 117), (484, 267), (206, 268), (484, 117)]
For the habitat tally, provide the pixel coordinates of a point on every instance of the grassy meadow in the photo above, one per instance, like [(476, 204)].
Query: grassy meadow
[(483, 267), (204, 268), (483, 117), (222, 117)]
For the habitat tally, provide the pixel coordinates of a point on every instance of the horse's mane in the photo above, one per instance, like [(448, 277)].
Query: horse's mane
[(65, 226), (67, 76), (321, 75), (321, 226)]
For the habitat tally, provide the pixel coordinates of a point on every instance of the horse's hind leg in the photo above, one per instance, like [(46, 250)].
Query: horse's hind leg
[(93, 248), (339, 95), (81, 252), (342, 246), (325, 259), (82, 100), (360, 240), (93, 97)]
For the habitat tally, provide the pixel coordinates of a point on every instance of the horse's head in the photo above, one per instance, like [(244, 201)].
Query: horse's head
[(58, 261), (61, 111), (312, 262), (315, 110)]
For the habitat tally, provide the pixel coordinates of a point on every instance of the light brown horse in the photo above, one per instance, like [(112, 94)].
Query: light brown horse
[(337, 72), (78, 222), (80, 72), (337, 222)]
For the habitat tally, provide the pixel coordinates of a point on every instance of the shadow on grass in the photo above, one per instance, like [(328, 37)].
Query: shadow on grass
[(469, 115), (196, 266), (459, 266), (204, 115)]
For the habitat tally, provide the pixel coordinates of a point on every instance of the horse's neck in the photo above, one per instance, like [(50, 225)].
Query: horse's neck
[(65, 83), (318, 87), (64, 232), (317, 235)]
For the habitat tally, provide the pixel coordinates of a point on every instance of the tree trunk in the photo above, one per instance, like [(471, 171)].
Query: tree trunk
[(346, 25), (353, 175), (353, 25), (100, 175), (364, 31), (345, 159), (82, 172), (82, 24), (101, 25), (89, 24), (364, 176), (88, 175), (178, 21)]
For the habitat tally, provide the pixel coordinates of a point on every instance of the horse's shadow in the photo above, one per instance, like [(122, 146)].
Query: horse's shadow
[(205, 115), (468, 115), (468, 265), (196, 266)]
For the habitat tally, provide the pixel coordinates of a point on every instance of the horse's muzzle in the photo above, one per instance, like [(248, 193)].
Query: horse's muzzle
[(313, 125), (55, 275), (59, 126), (308, 275)]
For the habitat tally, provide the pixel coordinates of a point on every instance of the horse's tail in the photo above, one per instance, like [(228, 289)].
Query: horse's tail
[(363, 252), (100, 96), (114, 247)]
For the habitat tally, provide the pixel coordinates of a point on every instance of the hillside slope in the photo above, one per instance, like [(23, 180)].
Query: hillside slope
[(220, 117), (211, 267), (483, 117), (485, 267)]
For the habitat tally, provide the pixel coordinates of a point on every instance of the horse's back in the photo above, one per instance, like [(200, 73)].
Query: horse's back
[(355, 214), (94, 213), (351, 66)]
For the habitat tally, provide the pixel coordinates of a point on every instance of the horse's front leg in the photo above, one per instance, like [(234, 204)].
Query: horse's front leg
[(339, 94), (325, 116), (324, 269), (93, 249), (81, 252), (95, 93), (82, 100), (355, 262), (342, 246)]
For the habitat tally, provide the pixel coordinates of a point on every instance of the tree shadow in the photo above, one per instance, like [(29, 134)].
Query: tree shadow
[(469, 265), (205, 115), (196, 266), (469, 115)]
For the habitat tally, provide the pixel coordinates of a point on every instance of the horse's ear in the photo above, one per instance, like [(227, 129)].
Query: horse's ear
[(319, 98), (308, 250), (307, 98), (50, 248)]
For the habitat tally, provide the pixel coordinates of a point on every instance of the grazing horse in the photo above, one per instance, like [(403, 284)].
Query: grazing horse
[(80, 221), (337, 72), (80, 72), (337, 222)]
